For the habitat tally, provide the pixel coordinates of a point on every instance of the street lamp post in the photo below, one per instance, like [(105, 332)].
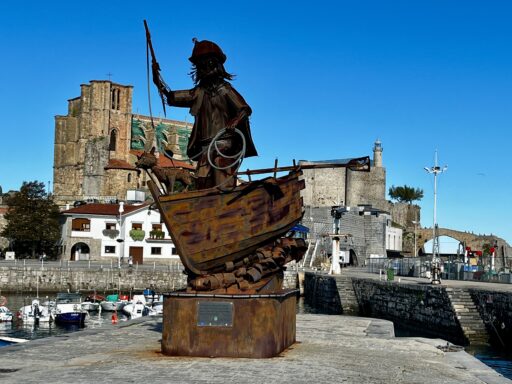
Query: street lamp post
[(415, 244), (435, 241), (121, 234)]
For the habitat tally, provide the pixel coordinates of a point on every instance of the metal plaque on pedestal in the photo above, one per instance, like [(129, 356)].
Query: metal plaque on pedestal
[(229, 325)]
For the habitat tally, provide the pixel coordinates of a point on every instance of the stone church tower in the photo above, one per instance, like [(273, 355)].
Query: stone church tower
[(97, 141)]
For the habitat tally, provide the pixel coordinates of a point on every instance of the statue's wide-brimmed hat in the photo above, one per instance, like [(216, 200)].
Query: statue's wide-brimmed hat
[(205, 48)]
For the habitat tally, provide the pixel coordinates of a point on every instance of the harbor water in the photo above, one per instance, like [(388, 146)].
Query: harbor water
[(19, 330)]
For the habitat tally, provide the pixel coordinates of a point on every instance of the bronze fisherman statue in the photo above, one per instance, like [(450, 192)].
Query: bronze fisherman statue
[(220, 113)]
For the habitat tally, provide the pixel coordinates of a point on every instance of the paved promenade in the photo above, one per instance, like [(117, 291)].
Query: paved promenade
[(357, 272), (330, 349)]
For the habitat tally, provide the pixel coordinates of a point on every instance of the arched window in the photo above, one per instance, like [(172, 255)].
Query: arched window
[(129, 177), (113, 140), (116, 98)]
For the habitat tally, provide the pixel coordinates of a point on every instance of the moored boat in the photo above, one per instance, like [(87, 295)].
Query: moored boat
[(137, 307), (5, 314), (68, 309), (92, 302), (114, 302), (35, 313)]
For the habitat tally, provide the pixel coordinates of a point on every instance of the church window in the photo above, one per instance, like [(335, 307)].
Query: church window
[(113, 139), (116, 99), (129, 177)]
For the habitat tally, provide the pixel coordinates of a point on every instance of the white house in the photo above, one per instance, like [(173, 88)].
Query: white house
[(115, 232)]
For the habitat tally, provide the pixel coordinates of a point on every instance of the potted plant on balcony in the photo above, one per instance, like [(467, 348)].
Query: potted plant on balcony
[(137, 234), (112, 233), (156, 234)]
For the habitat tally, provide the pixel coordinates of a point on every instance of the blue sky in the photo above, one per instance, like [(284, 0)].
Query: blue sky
[(325, 79)]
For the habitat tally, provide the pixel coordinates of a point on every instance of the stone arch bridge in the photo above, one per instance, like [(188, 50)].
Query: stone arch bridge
[(469, 239)]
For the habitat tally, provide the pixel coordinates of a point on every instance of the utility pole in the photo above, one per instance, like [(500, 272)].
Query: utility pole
[(435, 241), (120, 240)]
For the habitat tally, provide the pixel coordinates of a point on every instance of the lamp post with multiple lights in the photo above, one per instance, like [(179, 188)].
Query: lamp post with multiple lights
[(435, 241)]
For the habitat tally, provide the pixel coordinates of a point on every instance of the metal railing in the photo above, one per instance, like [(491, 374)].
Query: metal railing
[(168, 265), (452, 269)]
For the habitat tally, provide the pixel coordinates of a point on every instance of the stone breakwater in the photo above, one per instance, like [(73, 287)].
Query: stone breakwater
[(420, 306), (495, 309), (423, 308), (27, 279), (55, 279)]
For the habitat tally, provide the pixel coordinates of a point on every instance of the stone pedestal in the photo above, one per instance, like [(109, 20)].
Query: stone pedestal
[(224, 325)]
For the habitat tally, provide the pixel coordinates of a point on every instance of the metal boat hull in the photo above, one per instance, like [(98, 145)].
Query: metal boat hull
[(211, 228)]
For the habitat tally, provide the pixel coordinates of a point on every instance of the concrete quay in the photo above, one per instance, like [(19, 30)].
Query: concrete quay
[(334, 349), (466, 284)]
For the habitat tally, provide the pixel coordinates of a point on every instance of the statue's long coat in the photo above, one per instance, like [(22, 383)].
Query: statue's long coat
[(213, 109)]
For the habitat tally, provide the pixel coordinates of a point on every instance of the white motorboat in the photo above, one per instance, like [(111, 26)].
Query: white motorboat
[(35, 313), (90, 306), (114, 303), (68, 309), (92, 302), (5, 314), (158, 305), (137, 307)]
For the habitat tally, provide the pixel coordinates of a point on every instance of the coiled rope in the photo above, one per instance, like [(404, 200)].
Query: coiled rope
[(237, 157)]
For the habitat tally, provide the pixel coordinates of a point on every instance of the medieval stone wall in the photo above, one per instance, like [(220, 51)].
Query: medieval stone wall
[(118, 181), (365, 235), (404, 214), (324, 187), (367, 188)]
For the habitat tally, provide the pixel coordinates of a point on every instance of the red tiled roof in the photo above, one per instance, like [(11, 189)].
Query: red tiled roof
[(165, 162), (3, 210), (103, 209), (120, 164)]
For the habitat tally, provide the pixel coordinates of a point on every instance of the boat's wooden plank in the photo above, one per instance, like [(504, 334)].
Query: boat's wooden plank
[(196, 243), (247, 216), (207, 231)]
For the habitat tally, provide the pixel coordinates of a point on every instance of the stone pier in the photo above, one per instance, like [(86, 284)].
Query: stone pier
[(329, 349)]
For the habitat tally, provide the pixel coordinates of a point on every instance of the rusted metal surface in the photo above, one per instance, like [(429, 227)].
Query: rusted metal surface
[(361, 164), (166, 176), (211, 229), (253, 326), (258, 273)]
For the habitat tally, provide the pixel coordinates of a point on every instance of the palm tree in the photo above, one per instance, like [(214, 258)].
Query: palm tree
[(405, 194)]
